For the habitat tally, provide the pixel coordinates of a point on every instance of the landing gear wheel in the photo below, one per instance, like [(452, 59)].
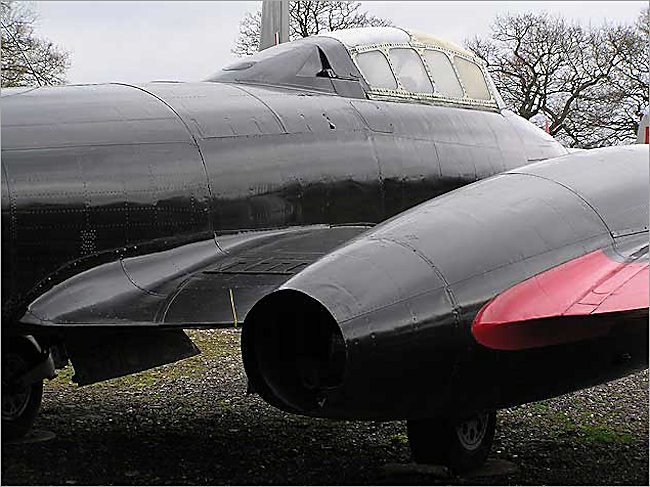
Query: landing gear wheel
[(20, 403), (460, 444)]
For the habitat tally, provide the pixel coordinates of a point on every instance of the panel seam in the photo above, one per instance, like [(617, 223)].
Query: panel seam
[(196, 143), (572, 191)]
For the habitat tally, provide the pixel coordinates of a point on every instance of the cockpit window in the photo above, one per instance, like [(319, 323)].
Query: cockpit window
[(410, 71), (375, 68), (472, 78), (444, 77), (381, 63)]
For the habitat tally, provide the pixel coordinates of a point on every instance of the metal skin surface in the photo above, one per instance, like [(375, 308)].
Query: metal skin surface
[(117, 199), (132, 212), (402, 298)]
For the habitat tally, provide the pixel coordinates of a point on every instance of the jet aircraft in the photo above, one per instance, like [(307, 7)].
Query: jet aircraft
[(132, 212)]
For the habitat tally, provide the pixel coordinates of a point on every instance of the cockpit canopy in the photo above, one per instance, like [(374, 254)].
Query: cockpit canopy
[(385, 63)]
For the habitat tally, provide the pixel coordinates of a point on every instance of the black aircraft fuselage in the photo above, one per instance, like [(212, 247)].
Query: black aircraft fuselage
[(130, 213), (95, 174)]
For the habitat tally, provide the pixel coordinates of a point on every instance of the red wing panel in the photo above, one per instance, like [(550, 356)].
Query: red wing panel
[(537, 312)]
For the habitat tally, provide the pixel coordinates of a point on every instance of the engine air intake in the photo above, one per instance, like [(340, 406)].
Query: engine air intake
[(293, 351)]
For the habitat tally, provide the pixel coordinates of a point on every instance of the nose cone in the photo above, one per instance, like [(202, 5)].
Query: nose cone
[(351, 335)]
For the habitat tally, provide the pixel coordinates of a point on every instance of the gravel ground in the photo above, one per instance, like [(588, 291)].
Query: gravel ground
[(191, 423)]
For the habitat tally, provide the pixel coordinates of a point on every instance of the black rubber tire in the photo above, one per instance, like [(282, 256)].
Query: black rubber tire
[(437, 441), (18, 426)]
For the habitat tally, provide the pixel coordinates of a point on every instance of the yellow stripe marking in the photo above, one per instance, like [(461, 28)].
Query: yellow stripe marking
[(232, 305)]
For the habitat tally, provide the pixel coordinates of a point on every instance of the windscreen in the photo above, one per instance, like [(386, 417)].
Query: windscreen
[(410, 70), (444, 77), (472, 78)]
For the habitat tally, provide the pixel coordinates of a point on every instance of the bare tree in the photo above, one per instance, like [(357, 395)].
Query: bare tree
[(306, 19), (591, 83), (26, 59)]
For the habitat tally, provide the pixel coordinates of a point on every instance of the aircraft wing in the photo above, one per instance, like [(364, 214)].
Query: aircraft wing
[(200, 284)]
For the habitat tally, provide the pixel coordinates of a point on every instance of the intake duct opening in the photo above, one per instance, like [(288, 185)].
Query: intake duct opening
[(293, 351)]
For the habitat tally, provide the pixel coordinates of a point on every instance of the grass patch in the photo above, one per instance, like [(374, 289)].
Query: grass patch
[(604, 434), (63, 379), (539, 408), (399, 439), (591, 434)]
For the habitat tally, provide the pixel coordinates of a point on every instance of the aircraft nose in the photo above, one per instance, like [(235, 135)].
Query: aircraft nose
[(361, 331)]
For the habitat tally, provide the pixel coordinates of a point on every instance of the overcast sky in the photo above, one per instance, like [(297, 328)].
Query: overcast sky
[(145, 41)]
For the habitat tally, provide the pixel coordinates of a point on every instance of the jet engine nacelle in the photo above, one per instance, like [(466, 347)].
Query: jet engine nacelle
[(382, 328), (349, 337)]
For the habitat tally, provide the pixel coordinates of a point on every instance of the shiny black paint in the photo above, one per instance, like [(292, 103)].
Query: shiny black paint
[(316, 64), (404, 296), (92, 170), (98, 178)]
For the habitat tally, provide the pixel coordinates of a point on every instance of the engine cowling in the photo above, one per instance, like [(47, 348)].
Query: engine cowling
[(381, 328)]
